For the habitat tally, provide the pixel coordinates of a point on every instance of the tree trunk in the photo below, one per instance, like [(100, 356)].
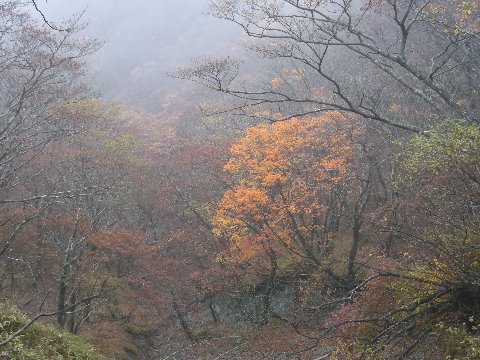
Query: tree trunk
[(183, 321), (358, 215)]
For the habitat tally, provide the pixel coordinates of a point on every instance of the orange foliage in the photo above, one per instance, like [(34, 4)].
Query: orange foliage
[(283, 175)]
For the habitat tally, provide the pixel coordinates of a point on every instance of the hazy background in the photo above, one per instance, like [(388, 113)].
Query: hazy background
[(145, 39)]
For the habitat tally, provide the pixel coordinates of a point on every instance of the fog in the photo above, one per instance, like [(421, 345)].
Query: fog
[(143, 41)]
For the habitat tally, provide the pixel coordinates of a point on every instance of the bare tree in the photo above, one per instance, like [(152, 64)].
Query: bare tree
[(40, 72), (368, 58)]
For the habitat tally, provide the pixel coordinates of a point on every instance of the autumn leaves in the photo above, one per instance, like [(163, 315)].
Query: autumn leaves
[(282, 177)]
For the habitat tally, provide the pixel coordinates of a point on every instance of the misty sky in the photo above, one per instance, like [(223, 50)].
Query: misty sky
[(144, 39)]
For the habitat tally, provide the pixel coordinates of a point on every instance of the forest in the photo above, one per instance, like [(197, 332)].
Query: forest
[(310, 190)]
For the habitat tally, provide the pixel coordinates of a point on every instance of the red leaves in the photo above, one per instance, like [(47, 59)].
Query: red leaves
[(124, 242)]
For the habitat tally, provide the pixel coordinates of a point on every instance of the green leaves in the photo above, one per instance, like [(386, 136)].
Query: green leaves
[(447, 147), (39, 341)]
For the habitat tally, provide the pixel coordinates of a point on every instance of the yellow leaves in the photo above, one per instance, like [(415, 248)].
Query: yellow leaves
[(248, 201), (467, 8), (122, 143), (244, 196), (297, 74), (287, 76), (230, 167), (272, 179), (86, 110), (293, 74), (458, 17), (395, 108), (434, 9), (276, 83)]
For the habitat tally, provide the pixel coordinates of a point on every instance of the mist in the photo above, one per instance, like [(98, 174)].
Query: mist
[(143, 42), (299, 180)]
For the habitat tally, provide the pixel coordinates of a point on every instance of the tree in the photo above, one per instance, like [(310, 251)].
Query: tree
[(395, 66), (46, 21), (43, 106), (426, 302), (290, 183), (41, 71), (357, 53)]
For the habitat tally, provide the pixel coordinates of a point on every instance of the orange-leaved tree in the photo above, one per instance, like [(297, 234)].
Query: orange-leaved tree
[(290, 180)]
